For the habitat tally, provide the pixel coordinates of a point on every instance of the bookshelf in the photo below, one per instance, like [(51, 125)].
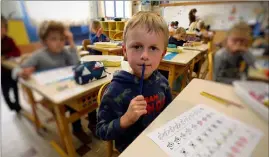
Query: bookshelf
[(110, 28)]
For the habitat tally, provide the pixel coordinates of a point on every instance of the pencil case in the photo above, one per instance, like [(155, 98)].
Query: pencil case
[(89, 71)]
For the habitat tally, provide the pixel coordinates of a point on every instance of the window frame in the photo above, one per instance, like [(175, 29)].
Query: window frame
[(124, 15)]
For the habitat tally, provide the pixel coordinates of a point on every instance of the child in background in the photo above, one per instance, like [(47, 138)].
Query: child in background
[(179, 37), (192, 16), (8, 50), (125, 111), (229, 60), (176, 25), (203, 32), (53, 35), (96, 35), (171, 28)]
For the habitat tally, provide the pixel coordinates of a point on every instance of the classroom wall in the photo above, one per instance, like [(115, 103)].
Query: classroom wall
[(219, 16), (11, 8)]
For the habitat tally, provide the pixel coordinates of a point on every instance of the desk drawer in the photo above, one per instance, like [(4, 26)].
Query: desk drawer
[(85, 101)]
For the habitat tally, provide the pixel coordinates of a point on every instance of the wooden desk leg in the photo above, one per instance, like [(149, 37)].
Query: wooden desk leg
[(33, 106), (104, 52), (191, 69), (184, 79), (64, 129), (172, 75), (201, 61)]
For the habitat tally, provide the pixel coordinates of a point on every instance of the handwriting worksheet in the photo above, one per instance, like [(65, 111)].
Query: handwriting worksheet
[(204, 132)]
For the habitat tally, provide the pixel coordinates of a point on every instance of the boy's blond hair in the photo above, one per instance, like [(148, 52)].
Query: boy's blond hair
[(95, 25), (50, 26), (152, 21), (180, 30)]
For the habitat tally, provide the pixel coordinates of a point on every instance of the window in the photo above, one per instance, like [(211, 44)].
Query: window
[(117, 9), (69, 12)]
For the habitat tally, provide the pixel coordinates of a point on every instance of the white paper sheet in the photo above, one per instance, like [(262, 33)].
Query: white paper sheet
[(204, 132), (54, 75)]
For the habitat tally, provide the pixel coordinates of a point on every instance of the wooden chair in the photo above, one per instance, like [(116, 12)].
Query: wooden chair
[(209, 70), (85, 43), (118, 36), (109, 144)]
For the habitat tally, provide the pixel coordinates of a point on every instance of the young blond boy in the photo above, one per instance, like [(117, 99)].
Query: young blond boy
[(125, 112)]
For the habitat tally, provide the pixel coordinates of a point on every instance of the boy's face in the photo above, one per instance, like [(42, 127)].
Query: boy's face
[(237, 44), (55, 41), (143, 47), (3, 30), (181, 36)]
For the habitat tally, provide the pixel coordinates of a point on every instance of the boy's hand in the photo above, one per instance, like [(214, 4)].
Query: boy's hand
[(69, 38), (137, 108), (68, 35), (26, 72), (99, 32)]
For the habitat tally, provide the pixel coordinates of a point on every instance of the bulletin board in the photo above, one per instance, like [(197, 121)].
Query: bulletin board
[(219, 16)]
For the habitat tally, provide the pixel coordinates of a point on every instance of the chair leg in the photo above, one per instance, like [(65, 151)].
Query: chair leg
[(109, 146)]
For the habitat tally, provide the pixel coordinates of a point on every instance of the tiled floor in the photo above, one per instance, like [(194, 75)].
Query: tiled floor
[(19, 138)]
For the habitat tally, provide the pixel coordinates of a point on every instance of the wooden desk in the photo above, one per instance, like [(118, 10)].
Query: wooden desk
[(10, 63), (203, 47), (108, 51), (69, 94), (13, 62), (254, 74), (189, 97), (180, 64)]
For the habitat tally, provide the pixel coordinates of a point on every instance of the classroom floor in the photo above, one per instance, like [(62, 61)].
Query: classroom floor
[(19, 138)]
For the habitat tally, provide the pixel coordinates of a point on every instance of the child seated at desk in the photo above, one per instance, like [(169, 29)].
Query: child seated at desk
[(8, 50), (229, 61), (179, 37), (96, 35), (53, 35), (202, 32), (127, 108)]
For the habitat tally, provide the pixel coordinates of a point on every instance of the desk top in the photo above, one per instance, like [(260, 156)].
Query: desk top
[(105, 48), (62, 91), (257, 75), (188, 98), (203, 47), (183, 58)]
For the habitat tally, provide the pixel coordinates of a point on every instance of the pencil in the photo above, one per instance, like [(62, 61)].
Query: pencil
[(142, 79), (221, 100)]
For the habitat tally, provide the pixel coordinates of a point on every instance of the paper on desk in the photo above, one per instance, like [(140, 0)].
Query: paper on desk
[(202, 131), (254, 94), (54, 75), (169, 56)]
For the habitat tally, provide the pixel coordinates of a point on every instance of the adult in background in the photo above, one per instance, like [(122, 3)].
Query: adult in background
[(192, 17)]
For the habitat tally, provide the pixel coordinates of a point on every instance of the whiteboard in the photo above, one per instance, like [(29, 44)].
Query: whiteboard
[(216, 15)]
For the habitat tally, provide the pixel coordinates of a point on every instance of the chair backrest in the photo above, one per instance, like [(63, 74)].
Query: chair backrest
[(101, 92), (118, 36), (109, 144), (85, 43), (210, 60)]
